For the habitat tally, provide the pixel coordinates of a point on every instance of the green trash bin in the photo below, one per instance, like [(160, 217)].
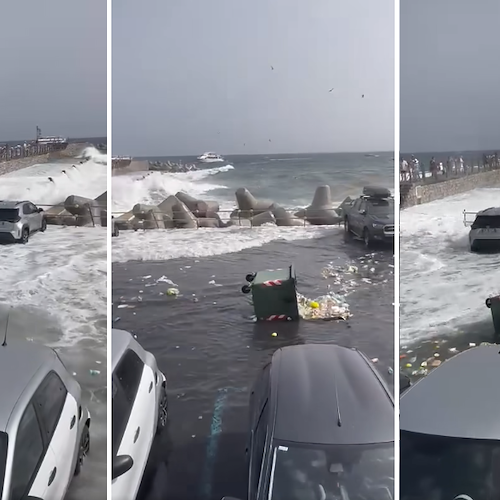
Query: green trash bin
[(493, 303), (274, 294)]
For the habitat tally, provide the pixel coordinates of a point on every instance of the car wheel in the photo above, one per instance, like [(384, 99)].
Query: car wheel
[(84, 449), (25, 236), (162, 412), (44, 225), (367, 238)]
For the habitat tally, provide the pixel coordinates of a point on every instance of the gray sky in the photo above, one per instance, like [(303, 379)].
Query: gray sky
[(450, 75), (53, 68), (195, 75)]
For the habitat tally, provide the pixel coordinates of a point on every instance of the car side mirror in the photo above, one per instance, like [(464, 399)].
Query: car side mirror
[(121, 464), (363, 212), (40, 210)]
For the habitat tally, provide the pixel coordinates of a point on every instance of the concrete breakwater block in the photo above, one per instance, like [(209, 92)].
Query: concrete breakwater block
[(86, 210), (200, 208), (321, 211), (255, 221), (59, 216), (125, 221), (248, 205), (284, 218), (150, 215), (183, 217)]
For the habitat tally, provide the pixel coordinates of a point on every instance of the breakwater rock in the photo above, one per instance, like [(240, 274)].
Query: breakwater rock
[(182, 211)]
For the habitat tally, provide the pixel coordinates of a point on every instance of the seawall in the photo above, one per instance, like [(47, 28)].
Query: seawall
[(28, 161), (127, 166), (416, 194)]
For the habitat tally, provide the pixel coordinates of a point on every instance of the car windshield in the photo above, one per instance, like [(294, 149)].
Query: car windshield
[(3, 458), (484, 221), (381, 206), (356, 472), (8, 214), (443, 468)]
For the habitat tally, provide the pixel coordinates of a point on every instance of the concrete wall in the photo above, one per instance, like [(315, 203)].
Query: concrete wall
[(452, 187), (16, 164), (129, 167)]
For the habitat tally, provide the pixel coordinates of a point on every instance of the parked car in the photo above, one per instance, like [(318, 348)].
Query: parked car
[(321, 427), (44, 425), (371, 216), (484, 234), (450, 430), (139, 412), (19, 220)]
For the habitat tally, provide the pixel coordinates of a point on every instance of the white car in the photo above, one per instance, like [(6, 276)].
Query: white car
[(44, 427), (19, 220), (139, 412)]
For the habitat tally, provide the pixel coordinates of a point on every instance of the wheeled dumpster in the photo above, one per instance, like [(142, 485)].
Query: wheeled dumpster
[(274, 294)]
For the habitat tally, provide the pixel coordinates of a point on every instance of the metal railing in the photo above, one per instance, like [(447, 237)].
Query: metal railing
[(454, 171), (157, 219), (8, 153)]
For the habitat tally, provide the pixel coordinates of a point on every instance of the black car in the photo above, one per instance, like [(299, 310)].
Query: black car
[(321, 427), (450, 430), (371, 216)]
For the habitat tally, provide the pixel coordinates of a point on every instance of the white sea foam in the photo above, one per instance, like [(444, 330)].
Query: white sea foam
[(153, 187), (61, 271), (88, 179), (443, 284), (171, 244)]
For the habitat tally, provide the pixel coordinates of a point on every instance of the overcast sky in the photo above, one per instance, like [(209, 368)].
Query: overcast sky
[(450, 75), (195, 75), (53, 68)]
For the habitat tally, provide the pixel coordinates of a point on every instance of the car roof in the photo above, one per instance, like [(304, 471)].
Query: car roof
[(492, 211), (460, 398), (315, 383), (10, 204), (19, 363)]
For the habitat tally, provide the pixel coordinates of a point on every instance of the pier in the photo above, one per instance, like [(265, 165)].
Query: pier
[(424, 185)]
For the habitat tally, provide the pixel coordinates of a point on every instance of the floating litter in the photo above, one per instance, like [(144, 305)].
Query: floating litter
[(94, 372), (374, 360), (274, 334), (172, 292), (329, 306)]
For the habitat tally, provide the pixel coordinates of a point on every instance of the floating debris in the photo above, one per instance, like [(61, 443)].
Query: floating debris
[(330, 306), (172, 292)]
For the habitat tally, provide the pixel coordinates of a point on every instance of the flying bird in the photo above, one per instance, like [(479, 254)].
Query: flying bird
[(331, 90), (272, 67), (363, 96)]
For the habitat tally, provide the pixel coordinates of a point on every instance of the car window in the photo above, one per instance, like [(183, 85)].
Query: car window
[(26, 209), (8, 214), (125, 383), (129, 373), (120, 412), (33, 208), (356, 204), (28, 453), (259, 442), (49, 399), (484, 221), (362, 206), (381, 206)]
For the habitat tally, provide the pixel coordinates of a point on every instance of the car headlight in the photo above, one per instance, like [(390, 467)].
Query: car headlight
[(377, 225)]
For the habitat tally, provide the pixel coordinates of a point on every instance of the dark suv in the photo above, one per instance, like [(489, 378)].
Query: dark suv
[(371, 216), (321, 427)]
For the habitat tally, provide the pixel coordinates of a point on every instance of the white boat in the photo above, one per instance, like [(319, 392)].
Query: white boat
[(484, 231), (210, 157)]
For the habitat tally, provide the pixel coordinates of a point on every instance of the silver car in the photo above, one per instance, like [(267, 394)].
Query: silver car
[(44, 426), (20, 219)]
